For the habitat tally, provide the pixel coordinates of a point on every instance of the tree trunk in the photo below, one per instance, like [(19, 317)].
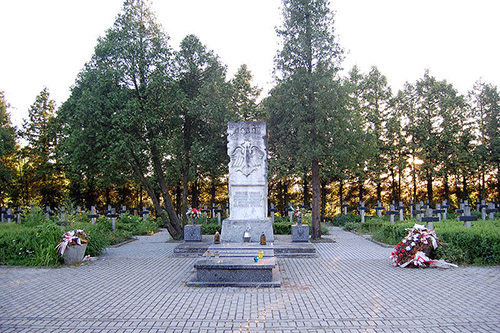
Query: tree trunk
[(173, 229), (185, 187), (465, 193), (341, 194), (393, 185), (306, 191), (287, 199), (195, 202), (167, 200), (316, 201), (360, 189), (212, 193), (498, 181), (281, 198), (178, 198), (429, 186), (323, 200), (446, 188), (379, 190)]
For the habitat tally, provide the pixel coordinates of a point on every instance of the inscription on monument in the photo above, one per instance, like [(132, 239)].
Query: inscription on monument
[(247, 199)]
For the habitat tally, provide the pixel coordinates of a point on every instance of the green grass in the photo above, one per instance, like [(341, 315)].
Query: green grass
[(33, 242)]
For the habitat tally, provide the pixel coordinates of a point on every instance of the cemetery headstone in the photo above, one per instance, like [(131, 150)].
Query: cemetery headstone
[(112, 215), (379, 208), (401, 209), (9, 216), (18, 213), (93, 216), (362, 209), (445, 207), (429, 218), (491, 210), (466, 217), (392, 211), (247, 150), (418, 212), (273, 210), (219, 211), (345, 208), (3, 211), (483, 206), (438, 211)]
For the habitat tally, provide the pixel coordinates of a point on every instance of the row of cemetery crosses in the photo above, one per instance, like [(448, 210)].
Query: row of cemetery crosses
[(422, 212)]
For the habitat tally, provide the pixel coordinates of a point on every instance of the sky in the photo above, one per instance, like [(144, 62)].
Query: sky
[(45, 43)]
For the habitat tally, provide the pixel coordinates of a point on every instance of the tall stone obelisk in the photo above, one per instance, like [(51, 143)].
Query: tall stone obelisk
[(247, 150)]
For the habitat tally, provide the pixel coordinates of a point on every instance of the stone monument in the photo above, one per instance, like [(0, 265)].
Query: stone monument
[(247, 150)]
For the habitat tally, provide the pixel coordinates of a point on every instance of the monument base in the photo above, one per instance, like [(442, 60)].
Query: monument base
[(192, 233), (300, 233), (233, 230)]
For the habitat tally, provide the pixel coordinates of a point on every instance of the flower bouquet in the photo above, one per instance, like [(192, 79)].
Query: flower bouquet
[(414, 250), (194, 213), (299, 213)]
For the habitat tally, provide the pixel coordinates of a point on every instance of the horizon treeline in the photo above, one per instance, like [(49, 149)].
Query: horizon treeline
[(146, 123)]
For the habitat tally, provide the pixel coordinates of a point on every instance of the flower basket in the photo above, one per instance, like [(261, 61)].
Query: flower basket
[(74, 254), (72, 247)]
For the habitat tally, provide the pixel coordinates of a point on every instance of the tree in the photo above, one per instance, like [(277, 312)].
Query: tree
[(305, 69), (203, 114), (244, 99), (7, 150), (485, 102), (45, 182), (136, 100)]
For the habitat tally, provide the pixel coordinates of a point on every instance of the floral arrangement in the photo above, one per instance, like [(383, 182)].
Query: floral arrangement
[(414, 249), (194, 212), (73, 237), (299, 212)]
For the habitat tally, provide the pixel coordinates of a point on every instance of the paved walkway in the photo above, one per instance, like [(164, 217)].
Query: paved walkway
[(351, 287)]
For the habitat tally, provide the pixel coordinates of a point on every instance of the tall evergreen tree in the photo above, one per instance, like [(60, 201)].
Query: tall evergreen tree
[(305, 69), (7, 150), (244, 99), (203, 113), (45, 178), (136, 98)]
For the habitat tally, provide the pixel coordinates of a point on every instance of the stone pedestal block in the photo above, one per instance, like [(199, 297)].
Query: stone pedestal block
[(300, 233), (192, 233), (233, 230), (74, 254)]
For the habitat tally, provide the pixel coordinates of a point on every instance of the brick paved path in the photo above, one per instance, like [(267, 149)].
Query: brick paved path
[(351, 287)]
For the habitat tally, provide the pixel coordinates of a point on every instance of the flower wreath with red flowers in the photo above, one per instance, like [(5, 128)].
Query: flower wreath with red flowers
[(414, 250)]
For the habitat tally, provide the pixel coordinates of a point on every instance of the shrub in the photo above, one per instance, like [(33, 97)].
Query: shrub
[(341, 220), (30, 246), (210, 228)]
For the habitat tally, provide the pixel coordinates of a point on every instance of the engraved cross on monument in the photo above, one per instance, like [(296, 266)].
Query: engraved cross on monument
[(247, 150)]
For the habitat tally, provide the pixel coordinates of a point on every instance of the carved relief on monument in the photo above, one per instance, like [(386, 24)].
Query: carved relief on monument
[(246, 158)]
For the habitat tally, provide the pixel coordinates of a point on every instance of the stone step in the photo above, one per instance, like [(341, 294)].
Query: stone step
[(282, 249)]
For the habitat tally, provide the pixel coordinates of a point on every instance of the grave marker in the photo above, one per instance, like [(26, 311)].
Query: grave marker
[(391, 212), (93, 216), (379, 208)]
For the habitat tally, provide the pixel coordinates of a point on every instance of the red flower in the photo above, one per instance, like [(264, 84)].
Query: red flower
[(402, 250), (400, 254)]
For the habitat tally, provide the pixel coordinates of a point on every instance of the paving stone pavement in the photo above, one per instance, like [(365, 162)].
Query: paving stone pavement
[(350, 287)]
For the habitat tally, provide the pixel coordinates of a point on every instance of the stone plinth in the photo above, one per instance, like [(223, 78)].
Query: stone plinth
[(300, 233), (192, 233), (235, 270), (233, 230)]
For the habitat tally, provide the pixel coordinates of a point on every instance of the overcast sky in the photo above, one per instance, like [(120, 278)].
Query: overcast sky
[(45, 43)]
